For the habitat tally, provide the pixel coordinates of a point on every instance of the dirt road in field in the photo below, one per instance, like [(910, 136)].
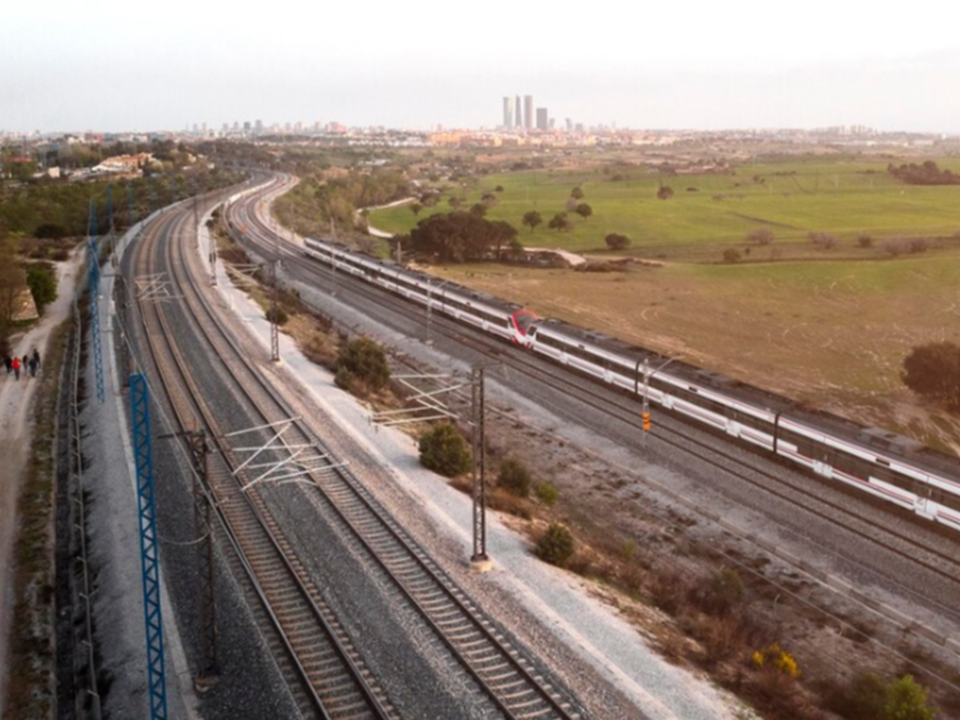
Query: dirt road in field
[(16, 426)]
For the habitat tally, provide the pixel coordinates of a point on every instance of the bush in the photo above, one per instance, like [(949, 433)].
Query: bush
[(443, 450), (825, 241), (556, 546), (904, 699), (862, 697), (864, 240), (933, 371), (615, 241), (665, 192), (548, 493), (42, 282), (761, 236), (280, 318), (721, 593), (366, 360), (731, 256), (514, 477), (776, 658)]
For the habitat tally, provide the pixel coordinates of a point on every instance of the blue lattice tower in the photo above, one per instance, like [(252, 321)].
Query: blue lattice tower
[(93, 291), (149, 545)]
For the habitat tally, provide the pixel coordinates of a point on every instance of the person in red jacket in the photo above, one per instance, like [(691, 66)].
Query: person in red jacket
[(16, 367)]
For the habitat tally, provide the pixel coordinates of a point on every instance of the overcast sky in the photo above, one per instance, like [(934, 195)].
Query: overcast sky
[(105, 65)]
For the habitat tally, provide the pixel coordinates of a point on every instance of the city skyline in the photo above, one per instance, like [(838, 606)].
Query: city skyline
[(743, 65)]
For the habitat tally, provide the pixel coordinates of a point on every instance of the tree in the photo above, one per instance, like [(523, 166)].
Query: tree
[(42, 281), (532, 218), (933, 371), (560, 222), (415, 208), (665, 192), (443, 450), (577, 193), (12, 282), (583, 210), (454, 201), (488, 199), (731, 255), (761, 236), (615, 241), (365, 360), (460, 237), (478, 209)]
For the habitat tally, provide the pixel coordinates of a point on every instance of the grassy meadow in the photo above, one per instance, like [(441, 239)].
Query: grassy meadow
[(710, 212), (827, 327)]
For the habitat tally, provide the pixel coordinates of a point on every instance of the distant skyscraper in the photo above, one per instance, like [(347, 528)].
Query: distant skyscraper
[(508, 112), (528, 112), (542, 119), (517, 112)]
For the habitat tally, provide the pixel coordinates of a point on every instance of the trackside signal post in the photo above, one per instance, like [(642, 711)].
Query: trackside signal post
[(647, 374), (479, 559)]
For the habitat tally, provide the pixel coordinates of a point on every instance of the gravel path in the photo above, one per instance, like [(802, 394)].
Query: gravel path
[(16, 418)]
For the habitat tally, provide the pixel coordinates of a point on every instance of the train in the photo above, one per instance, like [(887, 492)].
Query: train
[(885, 465)]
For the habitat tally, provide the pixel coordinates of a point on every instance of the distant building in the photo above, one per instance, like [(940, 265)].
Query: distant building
[(518, 113), (542, 123), (528, 112), (508, 112)]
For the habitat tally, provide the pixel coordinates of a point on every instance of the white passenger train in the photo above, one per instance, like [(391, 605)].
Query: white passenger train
[(888, 466)]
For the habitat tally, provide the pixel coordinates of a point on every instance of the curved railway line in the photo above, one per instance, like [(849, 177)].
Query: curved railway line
[(919, 547), (338, 685)]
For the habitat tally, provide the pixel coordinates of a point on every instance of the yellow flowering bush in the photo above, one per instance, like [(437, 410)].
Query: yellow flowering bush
[(774, 656)]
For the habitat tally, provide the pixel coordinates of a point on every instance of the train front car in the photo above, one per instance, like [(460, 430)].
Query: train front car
[(523, 325)]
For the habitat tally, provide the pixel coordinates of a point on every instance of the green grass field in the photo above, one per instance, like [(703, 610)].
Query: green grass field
[(711, 212)]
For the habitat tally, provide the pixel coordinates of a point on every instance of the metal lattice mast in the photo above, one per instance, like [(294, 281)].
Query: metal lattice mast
[(149, 545), (209, 669), (479, 474), (275, 315), (93, 289)]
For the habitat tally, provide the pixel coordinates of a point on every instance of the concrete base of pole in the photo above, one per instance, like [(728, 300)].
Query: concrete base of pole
[(481, 564)]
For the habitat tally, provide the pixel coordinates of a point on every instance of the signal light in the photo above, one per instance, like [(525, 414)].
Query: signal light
[(646, 421)]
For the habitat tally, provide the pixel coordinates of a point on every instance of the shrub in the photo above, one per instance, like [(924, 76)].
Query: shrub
[(721, 593), (862, 697), (665, 192), (548, 493), (761, 236), (443, 450), (42, 282), (775, 657), (904, 699), (280, 318), (366, 360), (731, 256), (864, 240), (823, 240), (514, 477), (933, 371), (615, 241), (556, 546)]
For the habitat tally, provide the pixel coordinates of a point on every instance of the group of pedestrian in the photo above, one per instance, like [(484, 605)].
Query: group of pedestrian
[(29, 363)]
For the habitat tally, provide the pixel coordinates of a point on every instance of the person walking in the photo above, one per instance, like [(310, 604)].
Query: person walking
[(36, 358), (8, 361), (23, 365), (32, 364), (16, 367)]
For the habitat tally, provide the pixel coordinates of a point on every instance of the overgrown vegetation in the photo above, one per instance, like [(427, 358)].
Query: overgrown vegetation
[(515, 477), (926, 173), (444, 450), (31, 659), (556, 545), (363, 360), (933, 372)]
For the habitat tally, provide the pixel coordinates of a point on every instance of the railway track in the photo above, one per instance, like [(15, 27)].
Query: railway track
[(333, 681), (675, 433), (495, 663)]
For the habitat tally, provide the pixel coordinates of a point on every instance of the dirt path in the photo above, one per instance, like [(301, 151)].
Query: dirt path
[(16, 416)]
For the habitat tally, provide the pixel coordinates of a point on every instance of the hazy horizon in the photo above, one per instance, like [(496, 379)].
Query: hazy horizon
[(110, 67)]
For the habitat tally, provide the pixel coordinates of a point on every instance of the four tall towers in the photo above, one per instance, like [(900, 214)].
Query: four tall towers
[(518, 115)]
